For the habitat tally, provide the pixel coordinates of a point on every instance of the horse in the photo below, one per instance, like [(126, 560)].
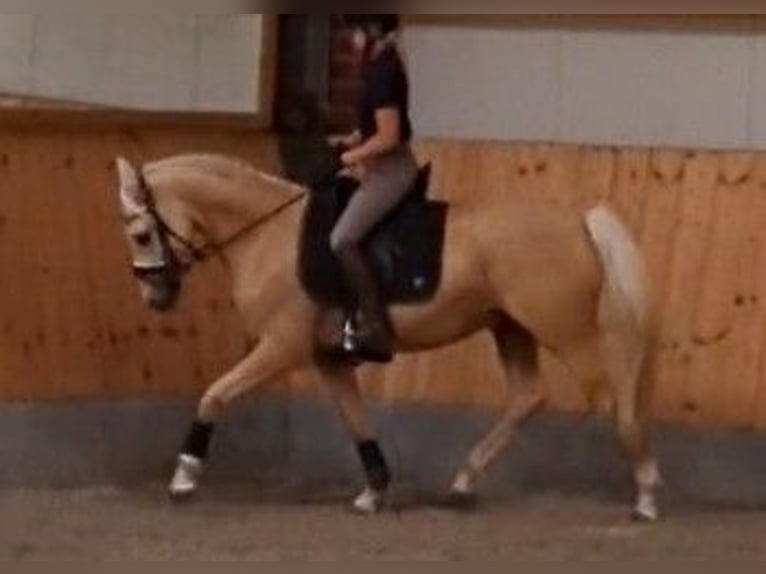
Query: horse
[(536, 276)]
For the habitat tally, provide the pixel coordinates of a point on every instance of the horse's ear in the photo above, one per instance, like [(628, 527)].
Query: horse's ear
[(132, 194)]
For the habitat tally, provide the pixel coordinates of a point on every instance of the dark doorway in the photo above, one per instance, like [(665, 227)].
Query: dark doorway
[(317, 83)]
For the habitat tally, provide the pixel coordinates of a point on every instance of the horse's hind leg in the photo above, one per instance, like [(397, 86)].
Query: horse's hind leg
[(624, 362), (616, 355), (519, 354)]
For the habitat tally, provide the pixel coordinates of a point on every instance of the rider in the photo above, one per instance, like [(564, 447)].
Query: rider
[(379, 155)]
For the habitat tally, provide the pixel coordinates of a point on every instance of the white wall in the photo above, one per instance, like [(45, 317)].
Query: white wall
[(700, 89), (164, 62)]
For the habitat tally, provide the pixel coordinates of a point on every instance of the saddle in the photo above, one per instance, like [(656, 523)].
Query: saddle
[(405, 249)]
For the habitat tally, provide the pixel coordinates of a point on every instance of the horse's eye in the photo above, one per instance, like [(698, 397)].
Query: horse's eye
[(143, 239)]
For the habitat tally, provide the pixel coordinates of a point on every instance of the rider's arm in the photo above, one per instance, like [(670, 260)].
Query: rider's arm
[(386, 138)]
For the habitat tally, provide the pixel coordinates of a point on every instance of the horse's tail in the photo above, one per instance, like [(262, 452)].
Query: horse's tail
[(628, 331), (626, 284), (625, 307)]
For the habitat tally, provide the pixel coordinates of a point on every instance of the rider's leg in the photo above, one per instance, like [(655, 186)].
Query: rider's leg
[(374, 334), (382, 189)]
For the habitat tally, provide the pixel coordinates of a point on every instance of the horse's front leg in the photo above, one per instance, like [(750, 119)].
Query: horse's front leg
[(343, 385), (265, 362)]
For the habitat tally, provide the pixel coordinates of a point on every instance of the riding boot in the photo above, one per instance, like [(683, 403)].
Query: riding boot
[(371, 339)]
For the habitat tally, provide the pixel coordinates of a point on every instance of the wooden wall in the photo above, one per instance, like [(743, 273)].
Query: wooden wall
[(72, 324), (71, 320), (700, 220)]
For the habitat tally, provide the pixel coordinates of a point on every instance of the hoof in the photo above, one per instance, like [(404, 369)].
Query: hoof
[(646, 512), (185, 482), (645, 517), (179, 496), (369, 503)]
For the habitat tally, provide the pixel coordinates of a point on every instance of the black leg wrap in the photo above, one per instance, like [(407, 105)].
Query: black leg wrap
[(375, 467), (197, 441)]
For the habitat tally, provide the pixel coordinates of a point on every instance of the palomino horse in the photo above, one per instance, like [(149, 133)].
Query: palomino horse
[(536, 277)]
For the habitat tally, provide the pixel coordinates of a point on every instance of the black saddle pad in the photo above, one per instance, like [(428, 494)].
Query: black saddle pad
[(405, 249)]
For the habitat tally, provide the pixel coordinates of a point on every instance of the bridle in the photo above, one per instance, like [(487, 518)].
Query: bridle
[(172, 266)]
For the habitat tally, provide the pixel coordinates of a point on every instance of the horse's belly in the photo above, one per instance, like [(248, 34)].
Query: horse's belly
[(433, 326), (460, 308)]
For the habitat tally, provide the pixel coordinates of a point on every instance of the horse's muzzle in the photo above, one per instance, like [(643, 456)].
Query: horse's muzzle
[(160, 285)]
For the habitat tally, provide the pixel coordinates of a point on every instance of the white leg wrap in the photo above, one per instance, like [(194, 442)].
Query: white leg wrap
[(369, 502), (463, 484), (186, 478), (646, 508), (648, 478)]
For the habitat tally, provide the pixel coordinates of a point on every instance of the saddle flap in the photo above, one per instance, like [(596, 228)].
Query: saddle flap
[(406, 247)]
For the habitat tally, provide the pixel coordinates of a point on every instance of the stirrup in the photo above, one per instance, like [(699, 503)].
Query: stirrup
[(354, 347), (350, 336)]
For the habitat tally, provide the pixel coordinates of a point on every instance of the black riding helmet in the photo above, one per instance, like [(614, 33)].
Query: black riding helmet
[(381, 23)]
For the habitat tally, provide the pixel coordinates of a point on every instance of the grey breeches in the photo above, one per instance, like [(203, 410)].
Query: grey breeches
[(382, 188)]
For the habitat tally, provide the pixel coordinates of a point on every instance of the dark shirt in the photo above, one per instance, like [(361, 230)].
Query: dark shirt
[(385, 86)]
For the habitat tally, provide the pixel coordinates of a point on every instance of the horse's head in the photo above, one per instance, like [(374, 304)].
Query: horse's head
[(184, 209), (156, 264)]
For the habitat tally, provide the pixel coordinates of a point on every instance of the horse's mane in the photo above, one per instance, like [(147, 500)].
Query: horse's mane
[(218, 165)]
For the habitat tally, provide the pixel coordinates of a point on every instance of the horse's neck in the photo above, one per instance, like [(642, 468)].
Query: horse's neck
[(223, 207), (249, 209)]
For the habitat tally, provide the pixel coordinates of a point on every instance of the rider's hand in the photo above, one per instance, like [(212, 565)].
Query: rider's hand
[(336, 141), (351, 166), (347, 159)]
